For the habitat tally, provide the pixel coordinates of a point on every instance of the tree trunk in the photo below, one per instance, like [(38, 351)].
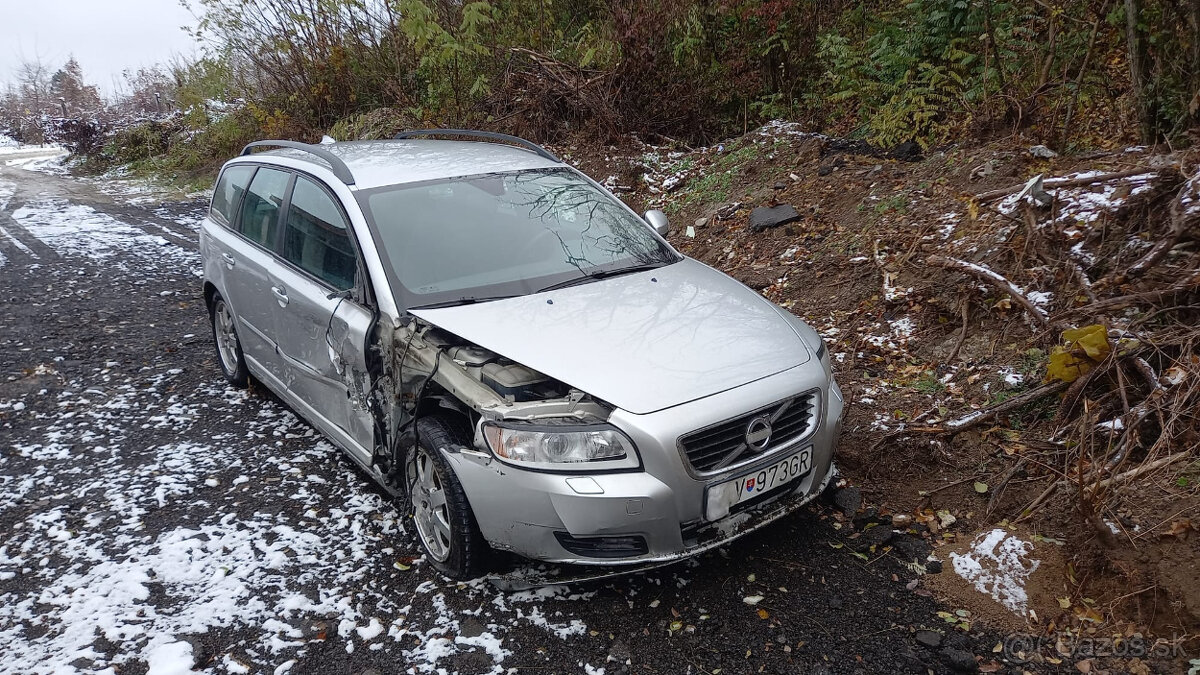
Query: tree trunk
[(1137, 69)]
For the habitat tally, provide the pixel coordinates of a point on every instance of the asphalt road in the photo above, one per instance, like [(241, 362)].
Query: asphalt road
[(152, 518)]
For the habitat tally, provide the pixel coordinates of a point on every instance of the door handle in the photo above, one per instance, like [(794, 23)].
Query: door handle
[(229, 260), (280, 294)]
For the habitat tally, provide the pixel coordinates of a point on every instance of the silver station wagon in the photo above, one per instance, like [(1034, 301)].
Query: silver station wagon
[(519, 358)]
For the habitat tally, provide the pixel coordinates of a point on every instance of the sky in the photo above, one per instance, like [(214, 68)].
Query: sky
[(105, 36)]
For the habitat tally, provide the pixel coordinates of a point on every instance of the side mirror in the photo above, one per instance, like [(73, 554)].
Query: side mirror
[(658, 220)]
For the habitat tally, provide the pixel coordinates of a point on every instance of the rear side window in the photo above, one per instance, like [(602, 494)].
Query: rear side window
[(260, 208), (228, 193), (315, 237)]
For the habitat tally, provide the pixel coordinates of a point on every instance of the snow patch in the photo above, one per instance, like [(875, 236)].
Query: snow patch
[(998, 565)]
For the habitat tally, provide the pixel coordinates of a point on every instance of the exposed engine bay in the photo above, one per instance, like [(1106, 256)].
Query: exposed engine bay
[(426, 370)]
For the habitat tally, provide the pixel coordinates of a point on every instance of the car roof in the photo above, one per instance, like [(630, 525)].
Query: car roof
[(395, 162)]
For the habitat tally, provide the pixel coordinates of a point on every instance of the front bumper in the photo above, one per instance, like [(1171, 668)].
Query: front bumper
[(654, 513)]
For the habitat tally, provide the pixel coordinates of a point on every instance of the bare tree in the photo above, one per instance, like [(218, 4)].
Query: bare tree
[(33, 82)]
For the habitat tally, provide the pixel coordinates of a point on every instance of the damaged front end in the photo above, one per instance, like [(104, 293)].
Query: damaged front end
[(557, 475), (433, 372)]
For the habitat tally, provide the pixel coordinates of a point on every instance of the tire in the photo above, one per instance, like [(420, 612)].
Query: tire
[(228, 344), (442, 516)]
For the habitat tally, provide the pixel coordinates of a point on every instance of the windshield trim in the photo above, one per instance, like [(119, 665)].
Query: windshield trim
[(406, 300)]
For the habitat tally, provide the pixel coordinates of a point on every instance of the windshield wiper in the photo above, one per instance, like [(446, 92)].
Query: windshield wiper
[(465, 300), (602, 274)]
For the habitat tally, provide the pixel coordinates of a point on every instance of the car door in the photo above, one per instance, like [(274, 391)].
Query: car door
[(247, 260), (321, 315), (219, 227)]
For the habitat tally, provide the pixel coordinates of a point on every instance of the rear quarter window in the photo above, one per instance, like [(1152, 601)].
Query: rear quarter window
[(228, 193)]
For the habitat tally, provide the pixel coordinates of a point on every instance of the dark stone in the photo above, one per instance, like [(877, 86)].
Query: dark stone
[(933, 566), (766, 217), (908, 152), (849, 500), (909, 548), (959, 660), (958, 641), (780, 185), (929, 639), (866, 517), (825, 169), (873, 536)]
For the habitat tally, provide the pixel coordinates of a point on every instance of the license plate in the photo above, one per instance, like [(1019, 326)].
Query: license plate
[(724, 495)]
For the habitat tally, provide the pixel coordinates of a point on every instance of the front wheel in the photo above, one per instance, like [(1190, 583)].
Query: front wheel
[(229, 347), (444, 521)]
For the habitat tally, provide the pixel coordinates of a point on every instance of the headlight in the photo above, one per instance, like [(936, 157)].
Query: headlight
[(546, 445)]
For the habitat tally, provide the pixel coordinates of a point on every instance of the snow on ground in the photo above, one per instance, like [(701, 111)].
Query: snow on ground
[(78, 230), (45, 159), (998, 564), (1082, 206), (98, 570)]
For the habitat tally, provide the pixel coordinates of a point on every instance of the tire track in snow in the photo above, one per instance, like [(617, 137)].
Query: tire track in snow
[(78, 230), (24, 240)]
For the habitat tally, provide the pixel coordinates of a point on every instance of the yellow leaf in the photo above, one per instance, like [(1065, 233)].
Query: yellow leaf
[(1093, 340), (1065, 603), (762, 614), (1083, 349), (1065, 366)]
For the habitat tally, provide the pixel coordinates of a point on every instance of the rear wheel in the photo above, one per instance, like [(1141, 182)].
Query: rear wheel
[(229, 347), (440, 511)]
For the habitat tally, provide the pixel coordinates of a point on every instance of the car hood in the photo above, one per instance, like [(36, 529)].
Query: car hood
[(642, 342)]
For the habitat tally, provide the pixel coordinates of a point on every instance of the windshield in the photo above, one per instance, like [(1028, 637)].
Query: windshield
[(498, 235)]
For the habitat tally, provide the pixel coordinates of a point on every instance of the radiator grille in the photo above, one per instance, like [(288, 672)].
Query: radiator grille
[(724, 445)]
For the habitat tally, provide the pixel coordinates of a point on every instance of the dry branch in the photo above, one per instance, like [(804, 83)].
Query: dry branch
[(1183, 219), (1134, 473), (1188, 283), (979, 416), (988, 276), (1063, 183)]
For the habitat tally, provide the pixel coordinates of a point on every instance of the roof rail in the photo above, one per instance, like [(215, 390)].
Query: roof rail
[(486, 135), (335, 163)]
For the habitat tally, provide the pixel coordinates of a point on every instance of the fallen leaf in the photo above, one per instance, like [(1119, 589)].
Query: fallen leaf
[(945, 518), (1084, 348), (1178, 527), (762, 614), (1065, 603), (981, 487), (752, 599)]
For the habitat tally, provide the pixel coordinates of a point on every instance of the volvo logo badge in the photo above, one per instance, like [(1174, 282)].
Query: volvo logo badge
[(758, 433)]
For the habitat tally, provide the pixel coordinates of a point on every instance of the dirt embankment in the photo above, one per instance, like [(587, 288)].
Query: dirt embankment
[(951, 294)]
